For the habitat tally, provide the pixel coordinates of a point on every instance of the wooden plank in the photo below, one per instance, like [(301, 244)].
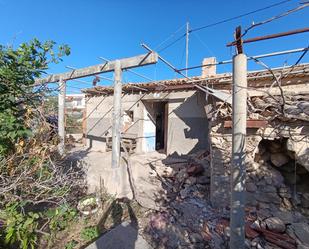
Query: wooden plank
[(250, 123), (126, 63)]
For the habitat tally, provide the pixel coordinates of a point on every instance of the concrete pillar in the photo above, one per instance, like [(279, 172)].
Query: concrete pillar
[(61, 116), (238, 171), (116, 115)]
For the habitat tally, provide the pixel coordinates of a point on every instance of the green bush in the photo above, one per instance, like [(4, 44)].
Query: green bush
[(20, 227), (19, 95)]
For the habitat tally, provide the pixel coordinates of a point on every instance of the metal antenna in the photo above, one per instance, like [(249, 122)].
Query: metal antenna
[(187, 46)]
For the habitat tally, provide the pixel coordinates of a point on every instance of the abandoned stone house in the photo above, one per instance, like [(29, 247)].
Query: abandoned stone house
[(177, 118)]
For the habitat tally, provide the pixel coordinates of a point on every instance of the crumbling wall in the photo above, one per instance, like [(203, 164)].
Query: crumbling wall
[(265, 184)]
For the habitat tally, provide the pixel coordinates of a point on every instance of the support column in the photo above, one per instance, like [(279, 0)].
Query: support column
[(238, 171), (61, 116), (116, 116)]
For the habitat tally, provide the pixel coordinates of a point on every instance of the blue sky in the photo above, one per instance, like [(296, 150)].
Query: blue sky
[(115, 29)]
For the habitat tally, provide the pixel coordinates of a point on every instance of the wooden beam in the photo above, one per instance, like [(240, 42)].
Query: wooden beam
[(272, 36), (126, 63), (250, 123)]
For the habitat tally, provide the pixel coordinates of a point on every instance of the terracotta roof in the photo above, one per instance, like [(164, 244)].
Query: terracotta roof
[(219, 81)]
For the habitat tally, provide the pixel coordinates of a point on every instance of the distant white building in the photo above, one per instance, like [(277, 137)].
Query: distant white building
[(75, 101)]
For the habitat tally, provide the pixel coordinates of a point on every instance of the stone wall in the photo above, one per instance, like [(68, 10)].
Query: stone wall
[(265, 182)]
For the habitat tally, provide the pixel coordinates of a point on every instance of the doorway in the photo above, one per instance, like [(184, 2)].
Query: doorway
[(161, 126), (155, 126)]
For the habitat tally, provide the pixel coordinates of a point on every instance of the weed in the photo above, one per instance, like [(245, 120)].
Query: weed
[(89, 233), (70, 245)]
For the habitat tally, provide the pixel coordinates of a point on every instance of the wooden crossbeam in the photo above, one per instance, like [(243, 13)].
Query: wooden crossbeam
[(126, 63)]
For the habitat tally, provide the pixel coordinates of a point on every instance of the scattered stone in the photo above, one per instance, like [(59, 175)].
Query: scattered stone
[(279, 159), (275, 224)]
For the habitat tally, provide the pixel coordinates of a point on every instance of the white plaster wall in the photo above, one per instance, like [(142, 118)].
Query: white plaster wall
[(187, 122), (187, 125)]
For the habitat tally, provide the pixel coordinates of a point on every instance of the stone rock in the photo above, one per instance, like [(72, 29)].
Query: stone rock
[(275, 224), (270, 206), (252, 166), (285, 216), (284, 192), (261, 183), (279, 159), (251, 187), (287, 204), (268, 180), (263, 214), (268, 198), (301, 230), (255, 225)]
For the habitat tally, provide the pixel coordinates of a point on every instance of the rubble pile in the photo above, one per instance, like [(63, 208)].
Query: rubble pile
[(186, 218)]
